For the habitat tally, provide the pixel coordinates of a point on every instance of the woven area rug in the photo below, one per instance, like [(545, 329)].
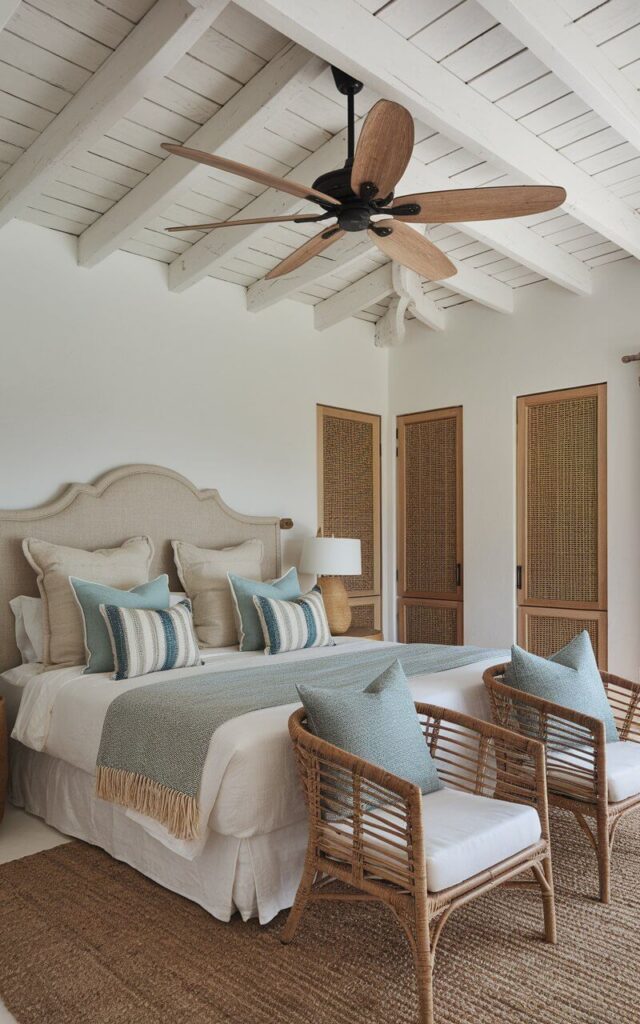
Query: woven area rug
[(87, 940)]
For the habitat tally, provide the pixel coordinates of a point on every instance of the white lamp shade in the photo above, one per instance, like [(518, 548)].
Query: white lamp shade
[(331, 556)]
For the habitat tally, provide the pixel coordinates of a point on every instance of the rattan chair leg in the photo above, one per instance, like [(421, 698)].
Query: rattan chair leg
[(544, 874), (424, 964), (604, 856), (300, 902)]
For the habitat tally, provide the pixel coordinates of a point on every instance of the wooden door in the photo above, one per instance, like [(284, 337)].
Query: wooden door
[(561, 581), (349, 453), (430, 585)]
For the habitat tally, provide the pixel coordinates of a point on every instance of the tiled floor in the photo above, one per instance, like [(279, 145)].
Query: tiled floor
[(20, 835)]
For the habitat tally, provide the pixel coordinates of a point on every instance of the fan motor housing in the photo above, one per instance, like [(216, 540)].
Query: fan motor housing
[(336, 184)]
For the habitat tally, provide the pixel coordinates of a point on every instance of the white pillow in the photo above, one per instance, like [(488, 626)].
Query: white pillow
[(29, 628)]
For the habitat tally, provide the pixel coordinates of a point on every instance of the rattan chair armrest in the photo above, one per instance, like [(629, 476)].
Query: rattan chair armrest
[(595, 726), (624, 699), (515, 740)]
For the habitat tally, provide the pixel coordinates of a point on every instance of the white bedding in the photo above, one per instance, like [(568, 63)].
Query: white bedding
[(249, 784)]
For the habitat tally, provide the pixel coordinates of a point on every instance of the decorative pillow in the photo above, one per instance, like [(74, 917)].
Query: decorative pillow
[(203, 574), (29, 637), (90, 596), (287, 588), (144, 641), (293, 625), (570, 677), (123, 567), (378, 724)]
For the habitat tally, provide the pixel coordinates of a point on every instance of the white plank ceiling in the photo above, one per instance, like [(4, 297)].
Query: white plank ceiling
[(50, 51)]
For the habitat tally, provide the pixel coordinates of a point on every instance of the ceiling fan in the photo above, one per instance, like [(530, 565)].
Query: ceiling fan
[(359, 196)]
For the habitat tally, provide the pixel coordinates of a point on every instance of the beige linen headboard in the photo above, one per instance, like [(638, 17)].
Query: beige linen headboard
[(125, 502)]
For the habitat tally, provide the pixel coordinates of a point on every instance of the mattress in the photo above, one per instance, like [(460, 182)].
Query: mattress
[(249, 784)]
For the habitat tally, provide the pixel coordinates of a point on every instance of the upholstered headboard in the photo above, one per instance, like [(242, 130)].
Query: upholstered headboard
[(125, 502)]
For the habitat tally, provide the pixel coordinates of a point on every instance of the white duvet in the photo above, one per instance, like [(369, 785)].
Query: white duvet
[(249, 783)]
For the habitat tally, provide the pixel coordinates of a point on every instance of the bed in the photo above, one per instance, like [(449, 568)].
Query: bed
[(249, 855)]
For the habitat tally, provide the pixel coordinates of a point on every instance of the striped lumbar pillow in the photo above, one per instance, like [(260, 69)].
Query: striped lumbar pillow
[(293, 625), (146, 641)]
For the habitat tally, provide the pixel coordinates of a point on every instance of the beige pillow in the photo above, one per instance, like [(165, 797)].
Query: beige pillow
[(124, 567), (203, 574)]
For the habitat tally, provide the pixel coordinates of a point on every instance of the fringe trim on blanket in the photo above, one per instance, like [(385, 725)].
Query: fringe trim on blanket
[(176, 811)]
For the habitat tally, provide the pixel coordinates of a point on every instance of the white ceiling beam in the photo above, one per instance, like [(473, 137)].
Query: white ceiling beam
[(221, 245), (374, 287), (265, 293), (562, 46), (7, 10), (391, 328), (366, 292), (268, 92), (345, 34), (144, 57)]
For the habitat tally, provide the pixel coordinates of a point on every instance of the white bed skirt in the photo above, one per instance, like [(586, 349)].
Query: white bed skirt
[(256, 877)]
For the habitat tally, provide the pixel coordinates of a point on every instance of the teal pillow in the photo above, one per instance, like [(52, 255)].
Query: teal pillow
[(378, 724), (243, 591), (570, 678), (90, 596)]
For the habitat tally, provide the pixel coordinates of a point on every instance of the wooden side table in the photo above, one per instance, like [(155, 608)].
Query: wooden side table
[(362, 633), (4, 757)]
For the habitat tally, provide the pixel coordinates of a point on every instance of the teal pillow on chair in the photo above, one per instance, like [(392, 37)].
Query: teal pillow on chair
[(243, 591), (378, 724), (570, 678), (90, 596)]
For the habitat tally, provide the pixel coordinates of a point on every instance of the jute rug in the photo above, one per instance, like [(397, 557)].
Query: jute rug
[(86, 940)]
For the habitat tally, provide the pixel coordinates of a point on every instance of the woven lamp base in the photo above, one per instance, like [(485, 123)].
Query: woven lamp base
[(336, 603)]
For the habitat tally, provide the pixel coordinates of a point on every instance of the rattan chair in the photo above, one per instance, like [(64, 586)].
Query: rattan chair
[(576, 749), (371, 830)]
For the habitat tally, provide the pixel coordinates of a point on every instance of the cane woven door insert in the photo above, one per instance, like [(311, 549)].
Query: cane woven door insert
[(562, 517), (430, 526), (349, 497)]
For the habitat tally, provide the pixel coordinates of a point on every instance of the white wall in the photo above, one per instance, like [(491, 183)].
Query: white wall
[(106, 366), (483, 361)]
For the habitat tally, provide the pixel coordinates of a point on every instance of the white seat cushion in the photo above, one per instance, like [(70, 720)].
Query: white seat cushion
[(465, 834), (623, 770)]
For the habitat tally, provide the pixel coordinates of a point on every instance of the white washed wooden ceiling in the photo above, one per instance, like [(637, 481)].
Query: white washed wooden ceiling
[(50, 49)]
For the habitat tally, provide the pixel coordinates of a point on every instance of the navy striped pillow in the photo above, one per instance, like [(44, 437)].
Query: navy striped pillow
[(145, 640), (293, 625)]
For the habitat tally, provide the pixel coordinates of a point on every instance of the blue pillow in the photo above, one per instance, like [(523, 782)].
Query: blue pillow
[(90, 596), (570, 678), (379, 724), (243, 591)]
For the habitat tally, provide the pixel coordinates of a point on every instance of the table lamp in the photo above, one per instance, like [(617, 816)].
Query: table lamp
[(330, 558)]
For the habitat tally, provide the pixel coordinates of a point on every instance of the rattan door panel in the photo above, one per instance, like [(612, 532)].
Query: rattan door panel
[(562, 499), (366, 613), (430, 505), (349, 488), (429, 622), (544, 631)]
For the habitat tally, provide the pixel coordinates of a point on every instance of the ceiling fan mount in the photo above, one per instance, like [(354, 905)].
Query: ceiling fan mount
[(360, 195)]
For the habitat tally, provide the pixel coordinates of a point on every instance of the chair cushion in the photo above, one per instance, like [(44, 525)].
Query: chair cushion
[(465, 834), (623, 770), (570, 678), (378, 723)]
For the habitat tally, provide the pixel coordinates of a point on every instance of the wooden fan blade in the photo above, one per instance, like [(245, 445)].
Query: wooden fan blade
[(298, 218), (460, 204), (305, 252), (252, 173), (384, 148), (406, 246)]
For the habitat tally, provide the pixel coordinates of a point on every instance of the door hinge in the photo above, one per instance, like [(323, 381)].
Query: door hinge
[(458, 575), (397, 576), (519, 577)]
